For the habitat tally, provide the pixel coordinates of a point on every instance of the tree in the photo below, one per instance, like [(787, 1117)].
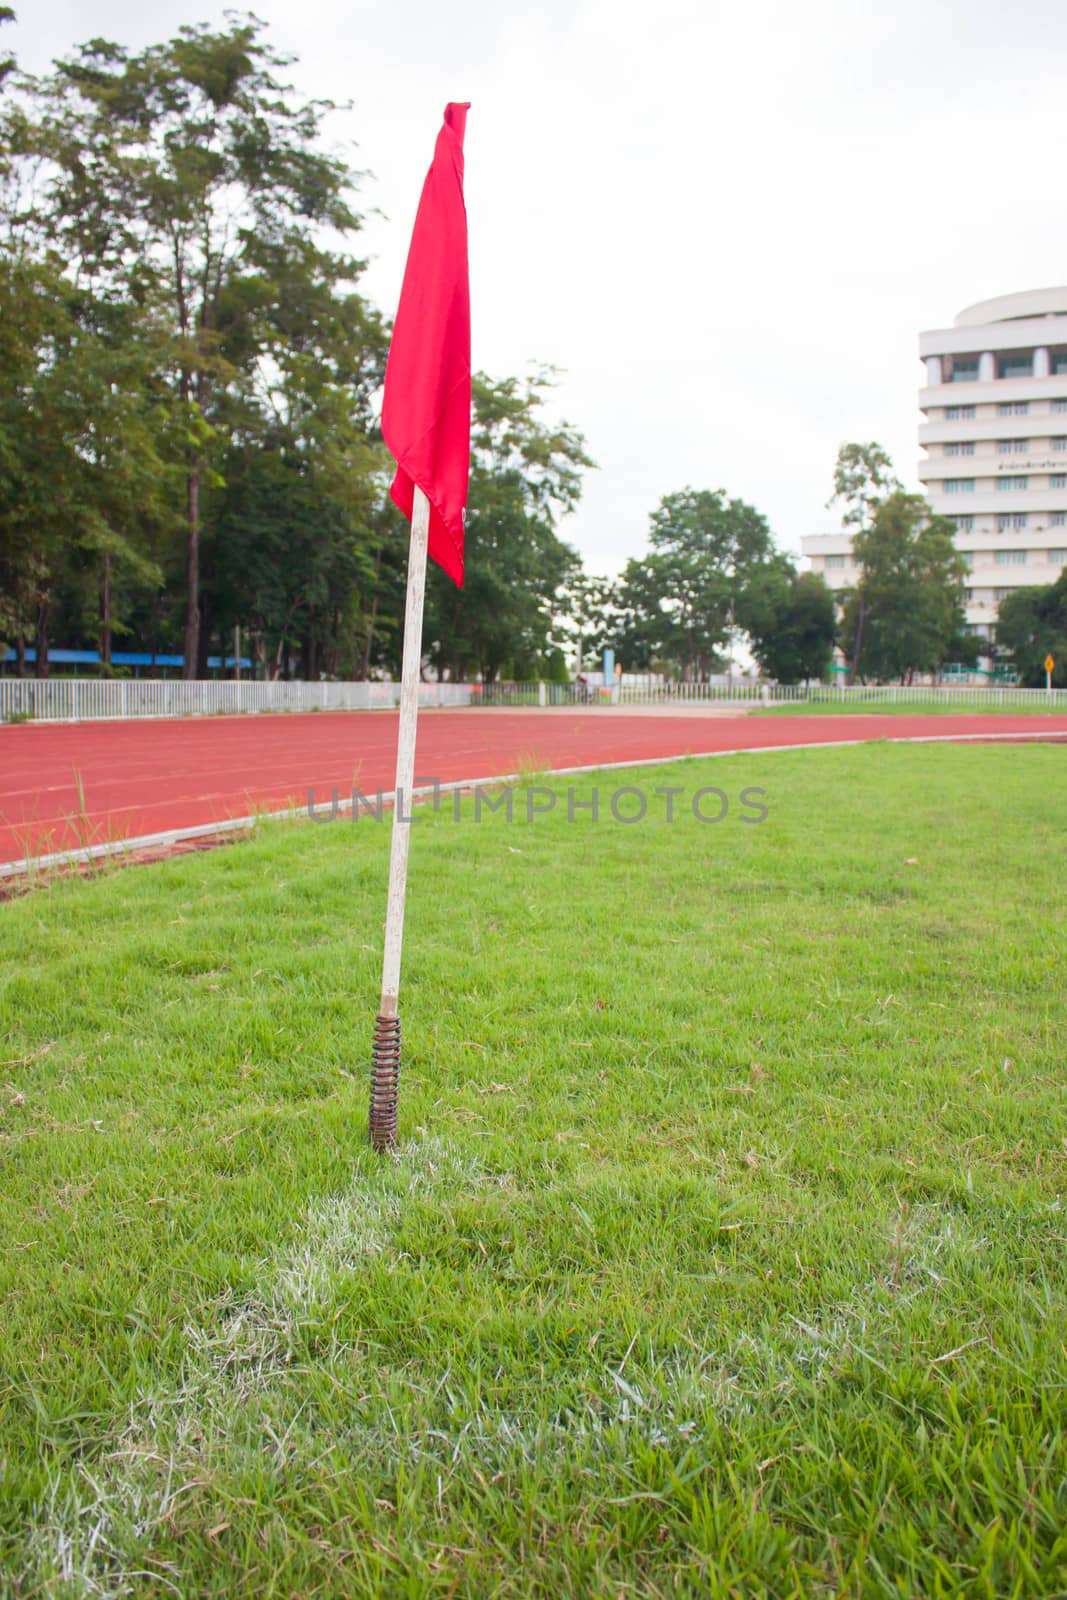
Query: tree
[(7, 63), (906, 612), (80, 476), (863, 480), (183, 176), (189, 382), (679, 599), (1032, 624), (592, 616), (790, 620), (295, 527), (525, 476)]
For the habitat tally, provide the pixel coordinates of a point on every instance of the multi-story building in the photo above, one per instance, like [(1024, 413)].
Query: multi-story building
[(831, 554), (994, 432)]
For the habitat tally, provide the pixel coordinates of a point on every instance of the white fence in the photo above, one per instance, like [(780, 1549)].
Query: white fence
[(97, 699), (89, 699), (967, 697), (972, 697)]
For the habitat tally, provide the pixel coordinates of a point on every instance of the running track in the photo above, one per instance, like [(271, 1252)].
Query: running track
[(69, 785)]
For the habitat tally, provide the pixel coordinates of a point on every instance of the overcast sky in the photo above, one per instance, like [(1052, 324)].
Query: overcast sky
[(726, 223)]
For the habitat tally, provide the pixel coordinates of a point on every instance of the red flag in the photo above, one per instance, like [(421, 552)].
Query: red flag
[(426, 413)]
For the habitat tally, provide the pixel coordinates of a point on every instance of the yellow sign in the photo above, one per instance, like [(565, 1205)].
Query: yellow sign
[(1049, 663)]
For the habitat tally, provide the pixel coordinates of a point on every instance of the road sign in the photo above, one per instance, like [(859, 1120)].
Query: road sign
[(1050, 662)]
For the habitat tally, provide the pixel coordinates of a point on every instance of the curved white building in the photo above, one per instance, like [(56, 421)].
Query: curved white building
[(994, 432)]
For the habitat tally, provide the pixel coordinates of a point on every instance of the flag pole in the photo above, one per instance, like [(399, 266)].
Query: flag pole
[(385, 1076), (426, 417)]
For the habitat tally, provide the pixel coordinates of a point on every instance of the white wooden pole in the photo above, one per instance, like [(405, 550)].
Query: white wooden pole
[(405, 753), (385, 1080)]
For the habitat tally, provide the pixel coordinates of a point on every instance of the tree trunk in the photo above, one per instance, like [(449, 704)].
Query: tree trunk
[(153, 630), (333, 645), (41, 639), (192, 571), (207, 624), (858, 646), (105, 614), (20, 654), (365, 674)]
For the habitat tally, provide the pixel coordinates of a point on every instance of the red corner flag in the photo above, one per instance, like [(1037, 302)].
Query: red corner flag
[(426, 413)]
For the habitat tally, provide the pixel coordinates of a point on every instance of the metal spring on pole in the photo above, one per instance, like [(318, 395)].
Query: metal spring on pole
[(385, 1082)]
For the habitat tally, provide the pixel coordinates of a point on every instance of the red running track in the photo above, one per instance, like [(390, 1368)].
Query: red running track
[(69, 785)]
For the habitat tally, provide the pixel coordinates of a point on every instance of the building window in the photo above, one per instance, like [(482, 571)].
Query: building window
[(962, 413), (1013, 408), (1057, 362), (964, 369), (1058, 558), (1058, 519), (1060, 443), (1013, 447), (1010, 558), (968, 560), (962, 524), (1013, 483), (1010, 519), (961, 447), (1002, 594), (1058, 481), (1059, 405), (1016, 364), (835, 561), (959, 485)]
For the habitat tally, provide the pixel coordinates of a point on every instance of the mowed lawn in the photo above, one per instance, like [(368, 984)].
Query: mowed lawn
[(725, 1252)]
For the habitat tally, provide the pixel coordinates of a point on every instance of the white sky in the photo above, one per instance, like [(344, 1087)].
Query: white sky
[(727, 223)]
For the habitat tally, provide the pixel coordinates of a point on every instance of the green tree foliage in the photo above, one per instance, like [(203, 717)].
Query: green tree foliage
[(189, 379), (1032, 624), (7, 63), (188, 177), (906, 612), (863, 479), (295, 528), (593, 617), (790, 619), (525, 475), (680, 598), (81, 480)]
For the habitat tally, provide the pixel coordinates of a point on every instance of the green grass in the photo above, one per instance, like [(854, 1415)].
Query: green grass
[(724, 1253), (870, 708)]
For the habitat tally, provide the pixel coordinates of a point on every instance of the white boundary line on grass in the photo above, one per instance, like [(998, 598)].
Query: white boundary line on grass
[(208, 830)]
